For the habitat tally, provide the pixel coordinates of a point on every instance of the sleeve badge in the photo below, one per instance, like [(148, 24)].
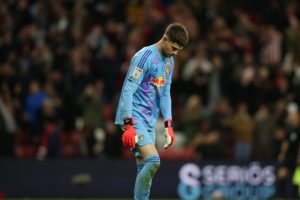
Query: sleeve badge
[(136, 74)]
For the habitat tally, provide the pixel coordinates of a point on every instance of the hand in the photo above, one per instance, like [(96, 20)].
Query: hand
[(129, 136), (169, 134)]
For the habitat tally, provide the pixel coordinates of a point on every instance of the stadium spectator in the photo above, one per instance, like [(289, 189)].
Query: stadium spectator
[(263, 134), (288, 155), (61, 47), (242, 124)]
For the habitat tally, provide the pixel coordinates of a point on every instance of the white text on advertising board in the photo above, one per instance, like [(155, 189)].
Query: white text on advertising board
[(252, 181)]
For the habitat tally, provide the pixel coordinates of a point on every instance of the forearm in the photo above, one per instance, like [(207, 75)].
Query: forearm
[(166, 107), (128, 92), (283, 151)]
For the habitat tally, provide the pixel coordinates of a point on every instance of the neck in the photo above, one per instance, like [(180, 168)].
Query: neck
[(159, 46)]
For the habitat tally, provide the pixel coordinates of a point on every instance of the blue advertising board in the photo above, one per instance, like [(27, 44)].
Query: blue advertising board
[(102, 178), (230, 181)]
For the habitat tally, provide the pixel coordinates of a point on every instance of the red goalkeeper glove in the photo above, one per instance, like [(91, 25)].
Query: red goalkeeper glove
[(129, 136), (169, 134)]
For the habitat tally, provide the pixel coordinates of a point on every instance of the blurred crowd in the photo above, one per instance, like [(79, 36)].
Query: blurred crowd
[(236, 86), (235, 92)]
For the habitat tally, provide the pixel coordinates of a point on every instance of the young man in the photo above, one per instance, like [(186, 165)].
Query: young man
[(145, 93)]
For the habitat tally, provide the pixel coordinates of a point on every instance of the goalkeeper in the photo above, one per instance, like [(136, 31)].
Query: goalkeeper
[(145, 94)]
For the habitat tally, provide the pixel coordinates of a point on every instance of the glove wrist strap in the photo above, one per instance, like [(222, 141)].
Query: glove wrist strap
[(168, 123), (128, 121)]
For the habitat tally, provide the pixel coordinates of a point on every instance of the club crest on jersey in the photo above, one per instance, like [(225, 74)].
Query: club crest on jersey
[(167, 68), (141, 137), (158, 82), (136, 74)]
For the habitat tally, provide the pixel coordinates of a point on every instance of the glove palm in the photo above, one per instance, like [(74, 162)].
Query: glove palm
[(169, 134), (129, 136)]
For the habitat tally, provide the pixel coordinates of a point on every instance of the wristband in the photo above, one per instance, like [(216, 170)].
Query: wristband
[(128, 121), (168, 123)]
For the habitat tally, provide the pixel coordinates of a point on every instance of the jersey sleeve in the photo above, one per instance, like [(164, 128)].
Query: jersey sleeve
[(165, 101), (135, 75)]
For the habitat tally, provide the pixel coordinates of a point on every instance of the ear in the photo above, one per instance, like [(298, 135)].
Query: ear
[(165, 38)]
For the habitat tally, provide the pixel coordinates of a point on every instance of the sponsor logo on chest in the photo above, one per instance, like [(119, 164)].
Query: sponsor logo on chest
[(158, 82)]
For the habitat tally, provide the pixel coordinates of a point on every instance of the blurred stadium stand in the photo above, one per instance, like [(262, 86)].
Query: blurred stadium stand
[(236, 87)]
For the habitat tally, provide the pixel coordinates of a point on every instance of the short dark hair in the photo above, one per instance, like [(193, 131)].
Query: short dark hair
[(177, 33)]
